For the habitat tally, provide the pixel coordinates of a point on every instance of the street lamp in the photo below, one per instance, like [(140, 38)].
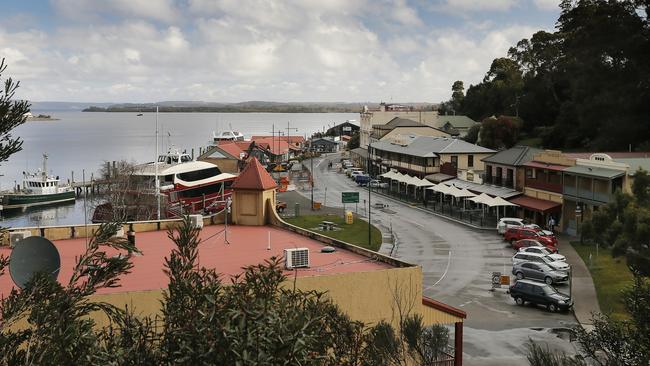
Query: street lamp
[(369, 191)]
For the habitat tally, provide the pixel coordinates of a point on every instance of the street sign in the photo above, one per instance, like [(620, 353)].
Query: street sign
[(349, 197), (496, 279)]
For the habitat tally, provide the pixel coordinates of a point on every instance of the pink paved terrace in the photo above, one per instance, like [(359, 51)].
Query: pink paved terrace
[(248, 246)]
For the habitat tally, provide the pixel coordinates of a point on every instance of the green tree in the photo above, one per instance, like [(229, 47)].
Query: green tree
[(641, 187), (354, 141), (499, 133), (12, 115), (473, 133), (610, 342)]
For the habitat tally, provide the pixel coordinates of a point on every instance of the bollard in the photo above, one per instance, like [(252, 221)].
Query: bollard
[(296, 209)]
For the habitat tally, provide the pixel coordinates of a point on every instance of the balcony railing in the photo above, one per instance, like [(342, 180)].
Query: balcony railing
[(546, 186), (603, 197)]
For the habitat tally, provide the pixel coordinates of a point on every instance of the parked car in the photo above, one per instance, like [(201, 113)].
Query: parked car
[(524, 243), (280, 206), (538, 228), (354, 173), (540, 294), (540, 258), (545, 251), (362, 179), (514, 234), (539, 272), (377, 184), (508, 222)]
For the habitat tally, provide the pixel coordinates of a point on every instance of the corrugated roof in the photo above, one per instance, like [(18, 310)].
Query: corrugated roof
[(536, 204), (515, 156), (635, 164), (594, 172), (360, 151), (254, 176), (398, 122), (536, 164), (427, 146), (456, 121)]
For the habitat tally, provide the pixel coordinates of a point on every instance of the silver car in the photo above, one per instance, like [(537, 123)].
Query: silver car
[(539, 272), (540, 258)]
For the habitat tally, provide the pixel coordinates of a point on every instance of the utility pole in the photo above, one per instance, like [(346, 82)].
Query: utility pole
[(311, 179), (369, 192), (289, 137), (156, 168)]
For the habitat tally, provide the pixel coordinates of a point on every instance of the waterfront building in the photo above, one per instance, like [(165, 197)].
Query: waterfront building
[(404, 126), (387, 112), (424, 155)]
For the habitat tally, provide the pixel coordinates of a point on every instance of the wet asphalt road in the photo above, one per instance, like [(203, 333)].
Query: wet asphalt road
[(457, 262)]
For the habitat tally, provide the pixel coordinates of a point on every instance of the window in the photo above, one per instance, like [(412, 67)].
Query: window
[(454, 160), (470, 161)]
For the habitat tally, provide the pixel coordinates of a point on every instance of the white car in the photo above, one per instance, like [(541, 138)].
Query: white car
[(558, 265), (506, 223), (354, 173), (538, 228), (377, 184), (545, 251)]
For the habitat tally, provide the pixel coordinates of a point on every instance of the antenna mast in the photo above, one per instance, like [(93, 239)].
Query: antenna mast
[(156, 167)]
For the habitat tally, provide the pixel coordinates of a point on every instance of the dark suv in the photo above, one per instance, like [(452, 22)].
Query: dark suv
[(540, 294)]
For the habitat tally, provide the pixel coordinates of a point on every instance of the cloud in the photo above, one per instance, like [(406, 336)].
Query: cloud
[(547, 4), (480, 5), (233, 50)]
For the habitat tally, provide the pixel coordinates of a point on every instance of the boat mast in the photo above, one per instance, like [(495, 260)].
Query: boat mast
[(44, 173), (156, 165)]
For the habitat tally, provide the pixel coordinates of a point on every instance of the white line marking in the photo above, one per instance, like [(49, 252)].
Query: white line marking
[(443, 275)]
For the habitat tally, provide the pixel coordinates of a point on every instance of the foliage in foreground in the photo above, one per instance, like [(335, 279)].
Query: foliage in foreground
[(255, 318), (611, 342)]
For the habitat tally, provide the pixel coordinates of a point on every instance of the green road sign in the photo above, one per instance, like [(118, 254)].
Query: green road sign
[(349, 197)]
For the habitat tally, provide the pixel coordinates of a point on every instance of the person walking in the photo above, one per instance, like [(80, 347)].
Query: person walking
[(551, 224)]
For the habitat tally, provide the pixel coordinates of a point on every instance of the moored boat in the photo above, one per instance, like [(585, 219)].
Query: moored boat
[(37, 189)]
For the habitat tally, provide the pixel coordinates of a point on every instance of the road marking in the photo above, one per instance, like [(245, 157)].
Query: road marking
[(417, 224), (443, 275)]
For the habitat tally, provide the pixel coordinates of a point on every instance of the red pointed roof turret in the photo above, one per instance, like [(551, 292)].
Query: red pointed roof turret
[(254, 176)]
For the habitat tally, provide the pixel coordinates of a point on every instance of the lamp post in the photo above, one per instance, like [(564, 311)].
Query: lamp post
[(369, 192), (311, 162)]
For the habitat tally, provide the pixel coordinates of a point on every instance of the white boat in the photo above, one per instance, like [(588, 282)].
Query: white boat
[(37, 189), (227, 136)]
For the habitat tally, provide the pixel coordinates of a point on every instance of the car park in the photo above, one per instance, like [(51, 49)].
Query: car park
[(506, 223), (538, 228), (377, 184), (518, 233), (521, 257), (524, 243), (545, 251), (539, 272), (524, 291)]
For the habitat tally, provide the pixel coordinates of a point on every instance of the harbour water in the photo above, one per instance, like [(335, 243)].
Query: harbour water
[(83, 141)]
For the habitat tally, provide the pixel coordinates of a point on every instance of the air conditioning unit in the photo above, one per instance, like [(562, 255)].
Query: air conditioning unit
[(196, 221), (296, 258), (16, 236)]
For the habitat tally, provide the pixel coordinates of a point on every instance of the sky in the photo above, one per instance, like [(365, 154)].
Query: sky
[(271, 50)]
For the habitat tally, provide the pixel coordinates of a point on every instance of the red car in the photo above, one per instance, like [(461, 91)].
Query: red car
[(518, 233), (524, 243)]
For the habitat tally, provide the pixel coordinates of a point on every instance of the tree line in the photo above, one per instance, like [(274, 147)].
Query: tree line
[(586, 85)]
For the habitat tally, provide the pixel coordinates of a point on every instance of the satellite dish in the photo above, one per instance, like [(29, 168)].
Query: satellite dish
[(32, 255)]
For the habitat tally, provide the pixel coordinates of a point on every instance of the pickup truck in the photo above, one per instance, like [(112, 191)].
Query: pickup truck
[(280, 206)]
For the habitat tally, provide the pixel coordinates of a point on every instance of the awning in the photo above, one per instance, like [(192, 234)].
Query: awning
[(438, 177), (481, 198), (536, 204), (498, 201), (465, 193), (442, 188), (456, 192), (425, 183), (388, 175)]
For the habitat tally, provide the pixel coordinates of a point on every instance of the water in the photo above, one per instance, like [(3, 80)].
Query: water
[(81, 141)]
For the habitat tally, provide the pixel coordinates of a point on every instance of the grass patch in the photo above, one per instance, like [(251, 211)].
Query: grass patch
[(356, 234), (610, 275)]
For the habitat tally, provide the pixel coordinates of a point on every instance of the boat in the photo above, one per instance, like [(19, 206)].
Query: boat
[(140, 114), (227, 136), (186, 187), (37, 189)]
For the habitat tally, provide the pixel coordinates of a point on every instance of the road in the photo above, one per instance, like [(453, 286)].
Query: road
[(457, 262)]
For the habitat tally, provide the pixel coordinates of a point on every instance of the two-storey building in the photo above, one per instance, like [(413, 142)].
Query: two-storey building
[(506, 168), (403, 126), (542, 196), (425, 155), (385, 113)]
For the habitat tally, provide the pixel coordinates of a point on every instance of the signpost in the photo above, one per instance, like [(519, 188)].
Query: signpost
[(496, 279), (349, 197)]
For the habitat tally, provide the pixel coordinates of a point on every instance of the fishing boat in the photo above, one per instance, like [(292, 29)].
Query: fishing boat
[(185, 187), (37, 189)]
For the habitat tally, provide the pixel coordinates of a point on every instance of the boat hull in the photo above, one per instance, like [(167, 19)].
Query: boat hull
[(19, 201)]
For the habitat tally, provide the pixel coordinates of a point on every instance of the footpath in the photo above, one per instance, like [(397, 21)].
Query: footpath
[(583, 290)]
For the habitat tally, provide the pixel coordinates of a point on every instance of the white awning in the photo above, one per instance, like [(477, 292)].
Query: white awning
[(424, 183), (498, 201), (388, 175), (481, 198), (442, 188), (464, 193), (412, 181), (456, 192)]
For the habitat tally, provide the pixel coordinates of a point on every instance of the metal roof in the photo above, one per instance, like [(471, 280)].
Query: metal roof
[(456, 121), (514, 156), (427, 146), (594, 172), (635, 164)]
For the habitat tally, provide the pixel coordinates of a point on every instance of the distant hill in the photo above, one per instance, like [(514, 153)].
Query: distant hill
[(242, 107), (64, 106)]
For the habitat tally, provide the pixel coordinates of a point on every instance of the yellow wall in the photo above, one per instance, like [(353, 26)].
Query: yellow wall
[(249, 206), (225, 165), (543, 195), (365, 296), (554, 157)]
